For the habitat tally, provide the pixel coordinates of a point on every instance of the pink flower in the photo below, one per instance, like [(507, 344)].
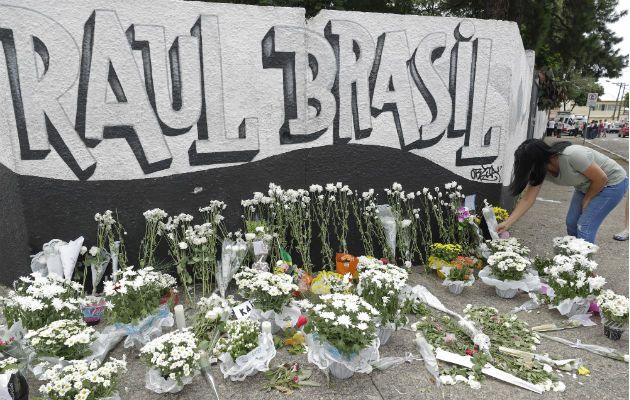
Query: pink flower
[(295, 379), (301, 321)]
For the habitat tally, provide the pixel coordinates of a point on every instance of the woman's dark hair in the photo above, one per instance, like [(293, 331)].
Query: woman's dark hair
[(530, 163)]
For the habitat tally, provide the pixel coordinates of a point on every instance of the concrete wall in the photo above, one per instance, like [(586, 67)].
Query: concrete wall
[(132, 105)]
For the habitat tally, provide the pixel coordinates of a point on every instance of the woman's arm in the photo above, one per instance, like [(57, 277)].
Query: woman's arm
[(598, 181), (521, 208)]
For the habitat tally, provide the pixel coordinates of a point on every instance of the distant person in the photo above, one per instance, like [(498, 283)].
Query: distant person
[(559, 126), (622, 236), (600, 183), (600, 127), (606, 128), (550, 127), (593, 130)]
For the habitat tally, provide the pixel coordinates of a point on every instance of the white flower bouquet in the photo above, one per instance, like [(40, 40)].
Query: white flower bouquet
[(39, 300), (212, 314), (68, 339), (331, 282), (572, 283), (137, 294), (510, 245), (614, 311), (173, 360), (342, 334), (82, 380), (507, 272), (381, 285), (245, 350), (13, 385), (570, 245)]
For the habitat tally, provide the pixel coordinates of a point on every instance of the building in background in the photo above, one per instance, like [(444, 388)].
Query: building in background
[(605, 110)]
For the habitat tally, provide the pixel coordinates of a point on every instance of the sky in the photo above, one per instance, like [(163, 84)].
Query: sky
[(622, 28)]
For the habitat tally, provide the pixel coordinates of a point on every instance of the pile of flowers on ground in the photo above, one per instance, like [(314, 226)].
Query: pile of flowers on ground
[(68, 339), (83, 380), (39, 300), (508, 265)]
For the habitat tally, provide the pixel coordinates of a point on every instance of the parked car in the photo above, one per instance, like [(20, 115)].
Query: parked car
[(623, 132), (615, 127)]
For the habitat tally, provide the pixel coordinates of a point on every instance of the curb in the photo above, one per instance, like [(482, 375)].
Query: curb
[(606, 150)]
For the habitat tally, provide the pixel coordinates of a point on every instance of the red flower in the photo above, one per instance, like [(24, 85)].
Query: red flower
[(295, 379), (465, 276), (384, 260), (301, 321), (469, 352)]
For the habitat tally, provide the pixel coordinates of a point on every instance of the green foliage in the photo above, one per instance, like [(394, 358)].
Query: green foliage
[(624, 102)]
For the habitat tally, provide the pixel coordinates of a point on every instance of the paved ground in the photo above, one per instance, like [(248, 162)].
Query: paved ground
[(608, 380), (617, 145)]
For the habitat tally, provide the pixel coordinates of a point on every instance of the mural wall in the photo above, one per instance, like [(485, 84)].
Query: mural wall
[(131, 105)]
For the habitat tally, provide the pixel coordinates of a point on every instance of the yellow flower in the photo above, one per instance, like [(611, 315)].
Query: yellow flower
[(501, 214), (583, 371)]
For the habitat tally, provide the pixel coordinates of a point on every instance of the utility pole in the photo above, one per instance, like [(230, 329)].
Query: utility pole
[(623, 91), (621, 85)]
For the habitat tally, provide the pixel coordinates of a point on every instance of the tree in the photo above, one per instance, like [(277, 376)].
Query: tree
[(624, 102), (578, 89)]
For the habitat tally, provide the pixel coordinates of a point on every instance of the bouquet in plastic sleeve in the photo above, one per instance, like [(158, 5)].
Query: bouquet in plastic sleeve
[(232, 255), (173, 361), (299, 276), (271, 295), (570, 245), (460, 275), (39, 300), (572, 284), (84, 380), (388, 222), (212, 315), (342, 334), (346, 264), (441, 256), (135, 309), (331, 282), (245, 350), (507, 272), (13, 385), (381, 286), (614, 311), (62, 339)]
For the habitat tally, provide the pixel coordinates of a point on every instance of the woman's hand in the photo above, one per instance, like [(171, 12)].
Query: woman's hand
[(502, 227)]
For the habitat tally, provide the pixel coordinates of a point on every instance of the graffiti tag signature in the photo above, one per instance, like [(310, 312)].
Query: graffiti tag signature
[(486, 174)]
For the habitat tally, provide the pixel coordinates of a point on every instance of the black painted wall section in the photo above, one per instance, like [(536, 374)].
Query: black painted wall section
[(14, 249), (65, 209)]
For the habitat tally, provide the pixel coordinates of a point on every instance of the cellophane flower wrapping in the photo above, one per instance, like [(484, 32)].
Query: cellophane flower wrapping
[(252, 356), (173, 360), (325, 356), (140, 333)]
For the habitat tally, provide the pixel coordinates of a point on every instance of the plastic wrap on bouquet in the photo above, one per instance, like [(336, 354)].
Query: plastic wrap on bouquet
[(421, 293), (384, 332), (53, 259), (388, 362), (156, 383), (232, 255), (327, 357), (456, 287), (491, 221), (442, 267), (144, 331), (16, 349), (574, 306), (69, 253), (13, 386), (38, 264), (428, 356), (98, 271), (114, 251), (389, 224), (287, 318), (529, 282), (250, 363)]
